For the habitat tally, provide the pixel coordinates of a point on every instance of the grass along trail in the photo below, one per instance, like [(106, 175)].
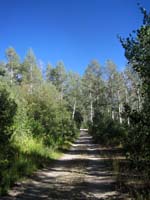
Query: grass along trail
[(80, 174)]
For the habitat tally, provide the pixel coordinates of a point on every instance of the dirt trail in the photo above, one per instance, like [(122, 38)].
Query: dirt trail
[(80, 174)]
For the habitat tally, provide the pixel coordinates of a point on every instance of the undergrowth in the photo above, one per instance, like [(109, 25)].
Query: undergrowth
[(129, 179), (28, 155)]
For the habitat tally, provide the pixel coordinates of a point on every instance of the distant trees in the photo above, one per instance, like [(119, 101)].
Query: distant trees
[(57, 76), (98, 89), (13, 64), (92, 84), (30, 73), (107, 104), (73, 92)]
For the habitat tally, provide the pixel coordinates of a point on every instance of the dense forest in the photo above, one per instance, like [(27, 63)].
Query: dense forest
[(42, 111)]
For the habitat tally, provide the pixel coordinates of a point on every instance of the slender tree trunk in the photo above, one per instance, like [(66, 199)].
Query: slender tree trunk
[(127, 101), (120, 111), (11, 75), (112, 111), (139, 99), (91, 115), (74, 109), (91, 108), (128, 121), (113, 115), (31, 78), (61, 93), (120, 107)]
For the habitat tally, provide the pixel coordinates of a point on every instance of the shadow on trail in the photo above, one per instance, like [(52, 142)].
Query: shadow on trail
[(82, 174)]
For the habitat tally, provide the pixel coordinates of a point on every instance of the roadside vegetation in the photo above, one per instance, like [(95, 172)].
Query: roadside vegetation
[(35, 120), (123, 120)]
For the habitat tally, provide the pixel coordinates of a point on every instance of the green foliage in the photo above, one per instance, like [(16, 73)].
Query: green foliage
[(13, 64), (105, 130), (2, 69), (7, 113), (137, 51), (29, 71), (57, 75), (34, 123), (29, 154), (32, 127)]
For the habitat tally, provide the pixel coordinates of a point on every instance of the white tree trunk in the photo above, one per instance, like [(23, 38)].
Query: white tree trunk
[(128, 121), (119, 107), (112, 115), (139, 99), (31, 78), (74, 109), (11, 75), (91, 115), (120, 111), (127, 101), (91, 108), (112, 96)]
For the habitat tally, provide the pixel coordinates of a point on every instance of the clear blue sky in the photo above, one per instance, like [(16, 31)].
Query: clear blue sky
[(75, 31)]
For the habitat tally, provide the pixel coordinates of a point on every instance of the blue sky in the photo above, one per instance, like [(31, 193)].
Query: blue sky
[(75, 31)]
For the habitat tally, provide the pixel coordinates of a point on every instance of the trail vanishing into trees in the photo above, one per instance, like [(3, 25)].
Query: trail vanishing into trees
[(82, 173)]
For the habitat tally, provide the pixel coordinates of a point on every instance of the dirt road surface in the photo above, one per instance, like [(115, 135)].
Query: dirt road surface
[(82, 173)]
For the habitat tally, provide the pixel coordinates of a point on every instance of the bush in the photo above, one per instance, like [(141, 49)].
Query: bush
[(105, 130), (33, 126), (7, 152), (7, 113)]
